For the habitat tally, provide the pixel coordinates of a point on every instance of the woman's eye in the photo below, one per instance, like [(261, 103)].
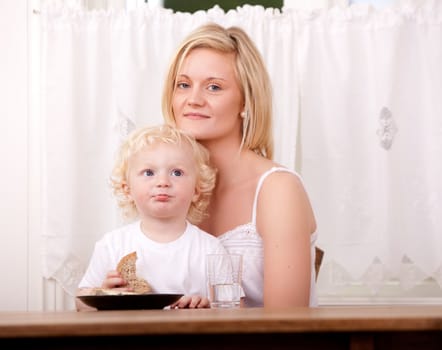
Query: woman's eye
[(148, 172), (182, 85), (177, 172), (213, 87)]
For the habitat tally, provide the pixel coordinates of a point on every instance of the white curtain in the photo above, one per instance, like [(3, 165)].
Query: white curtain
[(357, 112), (371, 139)]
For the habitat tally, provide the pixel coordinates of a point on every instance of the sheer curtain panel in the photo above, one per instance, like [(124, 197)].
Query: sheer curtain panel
[(371, 140), (357, 111)]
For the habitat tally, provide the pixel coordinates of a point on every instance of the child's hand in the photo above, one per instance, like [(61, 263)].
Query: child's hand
[(114, 280), (191, 302)]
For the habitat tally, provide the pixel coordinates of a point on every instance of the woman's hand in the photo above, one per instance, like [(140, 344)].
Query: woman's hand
[(191, 302)]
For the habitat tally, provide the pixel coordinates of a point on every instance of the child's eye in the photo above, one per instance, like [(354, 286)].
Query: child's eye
[(177, 172), (148, 172)]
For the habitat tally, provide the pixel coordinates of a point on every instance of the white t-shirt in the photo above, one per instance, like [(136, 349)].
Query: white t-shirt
[(173, 267)]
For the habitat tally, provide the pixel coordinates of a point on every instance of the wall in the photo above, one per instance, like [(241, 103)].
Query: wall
[(14, 155)]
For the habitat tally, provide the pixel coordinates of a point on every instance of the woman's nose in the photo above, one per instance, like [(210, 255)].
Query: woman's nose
[(195, 97)]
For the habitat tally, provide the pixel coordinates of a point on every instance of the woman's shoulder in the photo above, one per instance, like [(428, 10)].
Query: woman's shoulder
[(280, 176), (282, 185), (270, 174), (265, 167)]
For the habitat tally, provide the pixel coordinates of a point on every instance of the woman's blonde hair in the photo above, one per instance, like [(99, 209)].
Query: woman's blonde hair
[(147, 136), (250, 71)]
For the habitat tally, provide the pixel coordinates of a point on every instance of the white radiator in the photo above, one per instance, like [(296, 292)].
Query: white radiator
[(55, 298)]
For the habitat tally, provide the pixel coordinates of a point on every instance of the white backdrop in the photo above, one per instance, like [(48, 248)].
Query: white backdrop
[(357, 111)]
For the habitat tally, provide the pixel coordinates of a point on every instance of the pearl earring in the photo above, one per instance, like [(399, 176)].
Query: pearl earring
[(245, 121)]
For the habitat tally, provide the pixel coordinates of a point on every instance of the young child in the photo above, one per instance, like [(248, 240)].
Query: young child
[(162, 178)]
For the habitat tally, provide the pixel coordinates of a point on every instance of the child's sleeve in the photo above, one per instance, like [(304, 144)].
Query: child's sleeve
[(100, 264)]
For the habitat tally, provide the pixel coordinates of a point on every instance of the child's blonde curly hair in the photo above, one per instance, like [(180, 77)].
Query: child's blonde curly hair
[(146, 136)]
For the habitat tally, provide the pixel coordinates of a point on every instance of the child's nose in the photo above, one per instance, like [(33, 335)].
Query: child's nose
[(163, 180)]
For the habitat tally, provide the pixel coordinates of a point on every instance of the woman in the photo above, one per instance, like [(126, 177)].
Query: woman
[(218, 89)]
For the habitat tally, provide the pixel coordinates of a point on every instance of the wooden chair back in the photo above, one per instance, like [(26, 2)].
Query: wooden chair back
[(318, 260)]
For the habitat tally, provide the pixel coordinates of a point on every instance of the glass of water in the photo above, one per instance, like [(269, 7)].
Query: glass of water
[(224, 274)]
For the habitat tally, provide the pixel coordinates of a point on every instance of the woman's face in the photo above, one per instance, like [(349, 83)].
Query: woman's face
[(207, 100)]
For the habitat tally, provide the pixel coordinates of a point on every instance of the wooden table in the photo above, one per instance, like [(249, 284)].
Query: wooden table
[(389, 327)]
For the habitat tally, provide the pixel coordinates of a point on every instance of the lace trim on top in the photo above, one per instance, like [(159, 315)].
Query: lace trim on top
[(244, 238)]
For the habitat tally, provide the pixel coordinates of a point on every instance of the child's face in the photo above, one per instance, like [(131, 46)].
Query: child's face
[(162, 181)]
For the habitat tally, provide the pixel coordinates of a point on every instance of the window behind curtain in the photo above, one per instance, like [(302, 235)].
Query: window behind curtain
[(194, 5)]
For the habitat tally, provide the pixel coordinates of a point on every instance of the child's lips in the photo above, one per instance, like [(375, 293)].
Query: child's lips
[(162, 197)]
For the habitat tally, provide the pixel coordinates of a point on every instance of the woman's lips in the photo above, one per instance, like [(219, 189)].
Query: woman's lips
[(195, 116)]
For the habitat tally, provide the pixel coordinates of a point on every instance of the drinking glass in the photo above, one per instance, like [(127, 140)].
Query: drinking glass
[(224, 274)]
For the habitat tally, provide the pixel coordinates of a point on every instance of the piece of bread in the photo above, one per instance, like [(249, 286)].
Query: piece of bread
[(110, 291), (128, 270), (127, 266)]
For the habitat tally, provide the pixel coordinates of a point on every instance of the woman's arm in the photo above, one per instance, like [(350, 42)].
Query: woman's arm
[(285, 221)]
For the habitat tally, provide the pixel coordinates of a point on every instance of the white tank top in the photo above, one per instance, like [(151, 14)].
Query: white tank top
[(245, 240)]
